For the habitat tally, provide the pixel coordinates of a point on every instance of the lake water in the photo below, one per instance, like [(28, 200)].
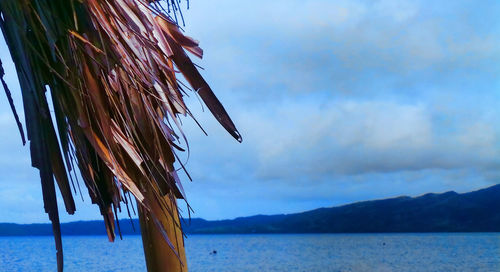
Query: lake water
[(287, 252)]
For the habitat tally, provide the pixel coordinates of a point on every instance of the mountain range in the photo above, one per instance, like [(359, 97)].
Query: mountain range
[(477, 211)]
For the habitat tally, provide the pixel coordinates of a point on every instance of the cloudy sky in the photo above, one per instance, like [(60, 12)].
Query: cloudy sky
[(337, 101)]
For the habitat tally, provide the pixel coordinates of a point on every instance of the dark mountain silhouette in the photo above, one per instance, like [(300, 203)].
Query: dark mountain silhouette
[(477, 211)]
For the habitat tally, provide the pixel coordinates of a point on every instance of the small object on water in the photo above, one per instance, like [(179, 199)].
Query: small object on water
[(213, 252), (383, 243)]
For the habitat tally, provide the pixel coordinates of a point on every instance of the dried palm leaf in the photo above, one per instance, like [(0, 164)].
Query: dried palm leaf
[(111, 68)]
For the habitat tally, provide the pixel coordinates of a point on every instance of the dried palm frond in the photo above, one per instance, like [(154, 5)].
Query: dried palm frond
[(111, 69)]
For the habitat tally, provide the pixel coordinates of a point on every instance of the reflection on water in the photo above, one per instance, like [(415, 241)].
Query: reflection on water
[(287, 252)]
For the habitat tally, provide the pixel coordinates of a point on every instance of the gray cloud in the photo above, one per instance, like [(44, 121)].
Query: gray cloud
[(337, 101), (338, 46)]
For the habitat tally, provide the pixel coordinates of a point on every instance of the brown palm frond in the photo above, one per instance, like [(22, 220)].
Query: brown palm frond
[(111, 69)]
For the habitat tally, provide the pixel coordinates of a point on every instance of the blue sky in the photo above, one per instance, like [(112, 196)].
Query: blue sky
[(337, 101)]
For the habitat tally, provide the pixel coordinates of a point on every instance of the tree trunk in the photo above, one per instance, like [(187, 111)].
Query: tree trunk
[(158, 254)]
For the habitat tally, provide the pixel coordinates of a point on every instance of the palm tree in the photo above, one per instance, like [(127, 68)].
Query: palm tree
[(111, 68)]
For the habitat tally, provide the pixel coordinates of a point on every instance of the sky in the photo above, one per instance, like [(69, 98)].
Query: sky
[(337, 102)]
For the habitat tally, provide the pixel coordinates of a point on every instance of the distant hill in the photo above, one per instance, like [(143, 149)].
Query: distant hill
[(477, 211)]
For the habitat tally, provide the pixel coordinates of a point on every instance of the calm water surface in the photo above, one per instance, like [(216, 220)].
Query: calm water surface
[(295, 252)]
